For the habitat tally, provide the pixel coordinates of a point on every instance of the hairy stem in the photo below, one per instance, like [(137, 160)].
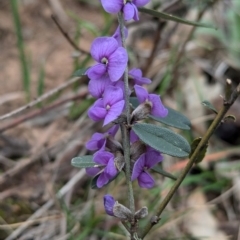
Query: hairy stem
[(126, 133), (220, 116)]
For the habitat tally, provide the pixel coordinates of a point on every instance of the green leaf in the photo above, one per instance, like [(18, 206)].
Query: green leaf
[(172, 18), (173, 119), (84, 162), (80, 72), (162, 139), (159, 170), (202, 151), (208, 105)]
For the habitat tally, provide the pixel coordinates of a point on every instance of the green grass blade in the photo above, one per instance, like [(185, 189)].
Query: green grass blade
[(20, 45), (173, 18)]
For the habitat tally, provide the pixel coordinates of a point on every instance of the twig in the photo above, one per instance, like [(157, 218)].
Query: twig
[(40, 99), (156, 40), (65, 34), (226, 105), (43, 110), (182, 50), (23, 165), (69, 185)]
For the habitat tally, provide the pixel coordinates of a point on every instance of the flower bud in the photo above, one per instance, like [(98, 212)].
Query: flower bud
[(113, 208), (141, 112), (113, 145), (121, 212), (119, 161), (109, 202), (142, 213), (137, 149)]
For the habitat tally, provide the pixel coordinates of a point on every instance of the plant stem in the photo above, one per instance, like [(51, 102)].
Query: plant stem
[(220, 116), (126, 133)]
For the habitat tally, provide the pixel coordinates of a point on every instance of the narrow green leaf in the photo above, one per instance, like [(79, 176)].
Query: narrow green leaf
[(162, 139), (173, 18), (159, 170), (84, 162), (202, 152), (173, 119), (80, 72), (208, 105), (21, 48)]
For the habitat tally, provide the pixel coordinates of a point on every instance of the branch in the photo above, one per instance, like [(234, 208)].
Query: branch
[(220, 116), (40, 99)]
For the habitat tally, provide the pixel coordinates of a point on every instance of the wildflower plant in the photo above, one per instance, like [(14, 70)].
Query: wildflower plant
[(123, 104)]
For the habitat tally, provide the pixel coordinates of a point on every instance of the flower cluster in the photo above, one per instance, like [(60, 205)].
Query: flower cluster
[(107, 87)]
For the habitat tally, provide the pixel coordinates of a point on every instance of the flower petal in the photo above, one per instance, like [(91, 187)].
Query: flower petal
[(110, 169), (141, 93), (152, 158), (97, 71), (113, 130), (136, 74), (112, 95), (97, 87), (103, 47), (135, 16), (109, 202), (97, 112), (114, 112), (138, 167), (96, 142), (112, 6), (133, 137), (158, 109), (128, 11), (102, 157), (92, 171), (117, 64), (140, 3), (117, 35), (102, 180), (145, 180)]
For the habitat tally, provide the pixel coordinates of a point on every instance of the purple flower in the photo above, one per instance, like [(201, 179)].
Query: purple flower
[(97, 87), (136, 75), (109, 107), (106, 160), (133, 136), (117, 35), (146, 161), (111, 59), (109, 202), (98, 140), (157, 108), (129, 8)]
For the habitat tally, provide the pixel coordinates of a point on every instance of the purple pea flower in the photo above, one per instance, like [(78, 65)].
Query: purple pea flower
[(105, 159), (97, 87), (146, 161), (98, 140), (157, 108), (109, 202), (136, 75), (109, 107), (111, 58), (117, 35), (133, 136), (128, 7)]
